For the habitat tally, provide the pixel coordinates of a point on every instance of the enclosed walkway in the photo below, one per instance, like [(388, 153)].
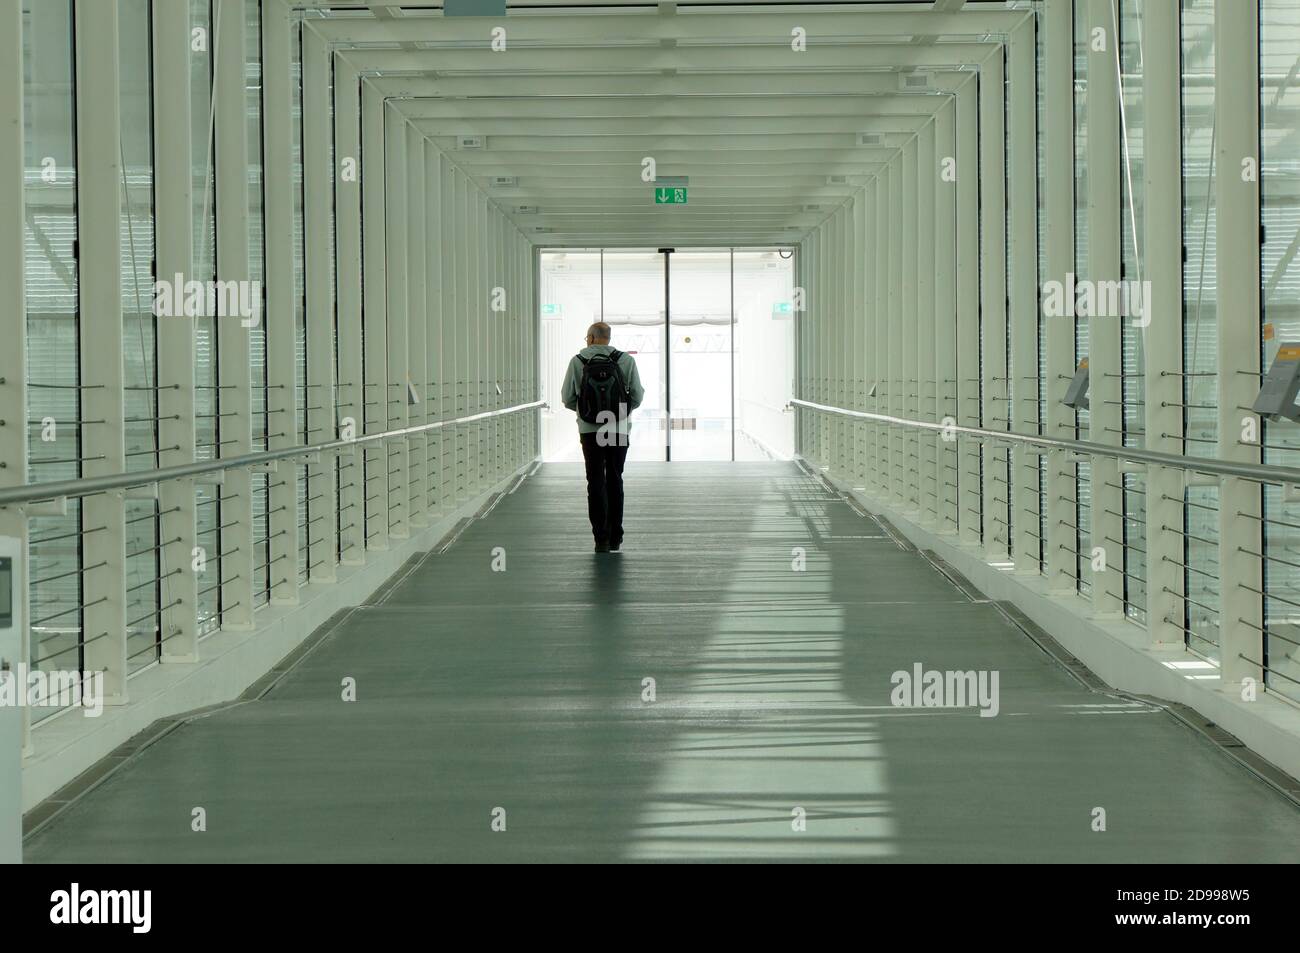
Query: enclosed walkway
[(502, 681)]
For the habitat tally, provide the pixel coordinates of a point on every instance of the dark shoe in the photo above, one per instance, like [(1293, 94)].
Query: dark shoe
[(614, 547), (602, 547)]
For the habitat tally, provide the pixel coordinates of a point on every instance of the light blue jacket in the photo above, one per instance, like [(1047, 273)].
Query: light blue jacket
[(573, 377)]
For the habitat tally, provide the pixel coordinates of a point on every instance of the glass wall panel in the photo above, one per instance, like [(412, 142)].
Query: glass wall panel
[(206, 393), (1133, 364), (262, 425), (1200, 322), (54, 407), (1082, 271), (764, 345), (1280, 188), (1040, 61), (300, 296), (145, 585)]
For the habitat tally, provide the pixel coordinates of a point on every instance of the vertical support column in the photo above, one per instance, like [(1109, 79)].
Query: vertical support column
[(945, 311), (397, 452), (853, 350), (433, 377), (456, 322), (1105, 363), (926, 388), (174, 230), (993, 303), (417, 215), (897, 334), (277, 160), (1163, 336), (347, 223), (845, 281), (813, 316), (1237, 233), (969, 503), (1058, 69), (1022, 295), (13, 407), (318, 205), (462, 321), (99, 216), (478, 344), (374, 315), (908, 314), (880, 385), (234, 432), (864, 297), (834, 336)]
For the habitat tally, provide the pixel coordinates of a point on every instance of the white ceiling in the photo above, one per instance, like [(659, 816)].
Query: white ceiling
[(769, 137)]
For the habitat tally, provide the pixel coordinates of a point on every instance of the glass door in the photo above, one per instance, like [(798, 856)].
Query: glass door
[(702, 402), (634, 310), (701, 368)]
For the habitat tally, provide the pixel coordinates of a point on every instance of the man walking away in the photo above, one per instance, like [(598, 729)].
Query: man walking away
[(603, 386)]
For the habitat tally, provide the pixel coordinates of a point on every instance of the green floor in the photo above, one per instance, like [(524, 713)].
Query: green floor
[(523, 689)]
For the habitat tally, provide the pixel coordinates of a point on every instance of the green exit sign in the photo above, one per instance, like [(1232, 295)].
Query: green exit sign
[(781, 307), (670, 196), (551, 309)]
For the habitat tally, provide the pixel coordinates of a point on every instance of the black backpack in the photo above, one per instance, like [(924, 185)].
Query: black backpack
[(601, 390)]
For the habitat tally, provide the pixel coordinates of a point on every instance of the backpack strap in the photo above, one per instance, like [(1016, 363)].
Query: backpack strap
[(582, 359)]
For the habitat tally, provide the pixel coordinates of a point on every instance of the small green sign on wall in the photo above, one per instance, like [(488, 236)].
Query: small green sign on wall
[(670, 196)]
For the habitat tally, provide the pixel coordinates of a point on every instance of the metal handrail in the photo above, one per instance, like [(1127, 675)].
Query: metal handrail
[(1257, 472), (89, 486)]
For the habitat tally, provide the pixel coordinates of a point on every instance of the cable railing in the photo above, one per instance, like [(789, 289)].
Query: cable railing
[(1256, 472), (89, 486)]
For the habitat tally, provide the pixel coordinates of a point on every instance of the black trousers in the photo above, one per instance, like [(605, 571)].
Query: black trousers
[(605, 484)]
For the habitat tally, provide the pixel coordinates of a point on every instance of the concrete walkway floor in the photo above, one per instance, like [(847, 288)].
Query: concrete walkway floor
[(523, 695)]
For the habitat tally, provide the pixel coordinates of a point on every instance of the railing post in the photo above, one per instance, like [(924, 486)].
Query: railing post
[(99, 230), (174, 239), (1237, 243)]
